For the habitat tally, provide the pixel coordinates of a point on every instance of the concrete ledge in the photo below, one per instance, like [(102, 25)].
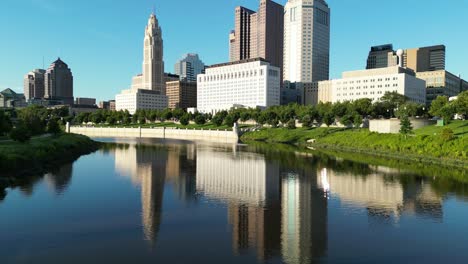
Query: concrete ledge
[(392, 126), (224, 136)]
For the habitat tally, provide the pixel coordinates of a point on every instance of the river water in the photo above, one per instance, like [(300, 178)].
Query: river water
[(182, 202)]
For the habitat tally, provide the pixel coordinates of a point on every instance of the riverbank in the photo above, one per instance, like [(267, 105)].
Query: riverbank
[(18, 160), (427, 145)]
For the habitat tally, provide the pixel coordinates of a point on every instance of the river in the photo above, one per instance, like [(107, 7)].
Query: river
[(156, 201)]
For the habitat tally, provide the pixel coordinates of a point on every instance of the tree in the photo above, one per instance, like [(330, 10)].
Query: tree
[(5, 123), (461, 104), (437, 105), (357, 120), (363, 106), (20, 133), (328, 118), (405, 126), (347, 120), (142, 119), (34, 119), (178, 113), (200, 119), (53, 127), (447, 112), (184, 120), (217, 120), (244, 116), (229, 120), (291, 124), (111, 120), (307, 121)]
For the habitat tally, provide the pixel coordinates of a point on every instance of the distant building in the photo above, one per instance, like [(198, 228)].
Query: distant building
[(425, 59), (249, 83), (258, 34), (133, 100), (189, 67), (107, 105), (306, 41), (441, 83), (372, 84), (59, 82), (181, 94), (170, 77), (34, 84), (85, 101), (382, 56), (148, 89), (11, 99)]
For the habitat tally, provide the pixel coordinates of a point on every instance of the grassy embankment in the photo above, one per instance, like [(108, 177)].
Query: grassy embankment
[(426, 145), (40, 154)]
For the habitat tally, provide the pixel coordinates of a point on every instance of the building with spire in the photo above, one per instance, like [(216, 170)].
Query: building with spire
[(58, 83), (148, 89)]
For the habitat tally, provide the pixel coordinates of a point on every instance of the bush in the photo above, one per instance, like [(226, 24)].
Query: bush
[(357, 120), (447, 134), (307, 121), (53, 126), (291, 124), (20, 134), (184, 120), (229, 120), (200, 120)]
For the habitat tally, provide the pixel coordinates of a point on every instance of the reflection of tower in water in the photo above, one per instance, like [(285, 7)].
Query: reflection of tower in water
[(304, 217), (60, 179)]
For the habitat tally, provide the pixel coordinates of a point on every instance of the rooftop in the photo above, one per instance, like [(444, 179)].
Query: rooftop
[(237, 62)]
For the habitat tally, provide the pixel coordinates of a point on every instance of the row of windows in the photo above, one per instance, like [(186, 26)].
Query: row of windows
[(371, 80), (228, 76)]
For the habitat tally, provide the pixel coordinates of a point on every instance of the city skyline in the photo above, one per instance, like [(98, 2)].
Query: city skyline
[(101, 70)]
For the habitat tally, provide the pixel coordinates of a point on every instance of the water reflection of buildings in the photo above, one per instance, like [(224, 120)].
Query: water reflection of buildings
[(151, 167), (382, 193), (271, 210)]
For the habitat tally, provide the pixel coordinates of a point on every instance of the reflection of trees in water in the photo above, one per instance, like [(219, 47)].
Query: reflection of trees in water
[(61, 178), (2, 194)]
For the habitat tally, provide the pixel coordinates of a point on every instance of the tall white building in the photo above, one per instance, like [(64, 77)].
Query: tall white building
[(148, 88), (189, 67), (306, 41), (249, 83), (372, 84)]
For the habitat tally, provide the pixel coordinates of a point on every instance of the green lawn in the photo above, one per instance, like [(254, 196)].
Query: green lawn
[(288, 136), (460, 128)]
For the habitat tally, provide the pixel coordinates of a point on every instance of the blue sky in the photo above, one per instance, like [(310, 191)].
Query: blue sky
[(101, 40)]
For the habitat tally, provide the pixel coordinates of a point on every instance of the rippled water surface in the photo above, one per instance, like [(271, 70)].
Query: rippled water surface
[(182, 202)]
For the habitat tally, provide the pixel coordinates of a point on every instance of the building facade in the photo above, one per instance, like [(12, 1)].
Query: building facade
[(258, 34), (372, 84), (441, 83), (189, 67), (133, 100), (85, 101), (250, 83), (306, 41), (152, 77), (58, 82), (181, 94), (382, 56), (148, 89), (11, 99), (425, 59), (34, 84)]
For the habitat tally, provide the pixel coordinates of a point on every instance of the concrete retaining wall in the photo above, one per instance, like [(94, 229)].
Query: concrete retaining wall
[(392, 126), (217, 136)]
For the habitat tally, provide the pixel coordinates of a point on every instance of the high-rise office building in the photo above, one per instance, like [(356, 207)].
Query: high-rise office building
[(382, 56), (59, 82), (149, 88), (189, 67), (152, 77), (306, 41), (34, 84), (258, 34)]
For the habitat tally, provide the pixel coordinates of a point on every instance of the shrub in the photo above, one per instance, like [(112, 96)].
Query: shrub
[(307, 121), (200, 120), (184, 120), (20, 134), (405, 125), (229, 120), (291, 124), (447, 134), (217, 120), (357, 120), (53, 126)]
